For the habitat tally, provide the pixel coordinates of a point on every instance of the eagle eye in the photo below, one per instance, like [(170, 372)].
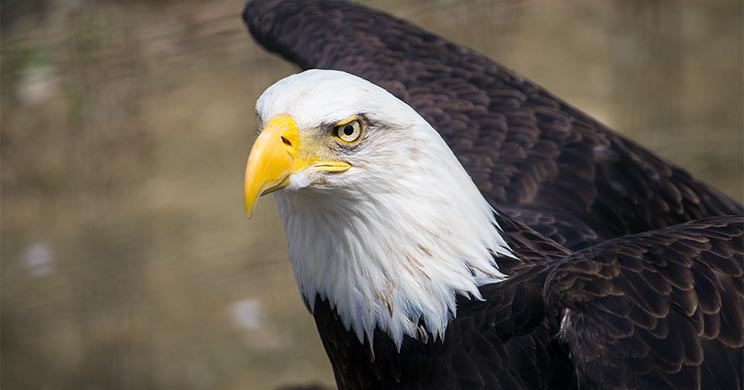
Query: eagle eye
[(349, 132)]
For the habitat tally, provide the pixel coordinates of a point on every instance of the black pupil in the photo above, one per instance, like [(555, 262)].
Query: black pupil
[(348, 129)]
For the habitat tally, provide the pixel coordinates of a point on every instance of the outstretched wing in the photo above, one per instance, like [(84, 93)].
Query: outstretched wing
[(663, 309), (523, 146)]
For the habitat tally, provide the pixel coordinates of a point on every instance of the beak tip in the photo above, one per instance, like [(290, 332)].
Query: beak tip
[(249, 210), (271, 160), (250, 198)]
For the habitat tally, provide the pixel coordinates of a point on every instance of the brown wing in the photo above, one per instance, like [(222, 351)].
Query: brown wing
[(561, 227), (523, 146), (663, 309)]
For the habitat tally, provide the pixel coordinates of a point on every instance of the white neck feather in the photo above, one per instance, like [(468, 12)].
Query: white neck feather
[(401, 246)]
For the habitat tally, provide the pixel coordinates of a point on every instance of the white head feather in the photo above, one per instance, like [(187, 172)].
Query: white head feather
[(391, 241)]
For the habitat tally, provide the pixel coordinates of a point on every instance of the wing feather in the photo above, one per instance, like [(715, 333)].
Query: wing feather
[(670, 314)]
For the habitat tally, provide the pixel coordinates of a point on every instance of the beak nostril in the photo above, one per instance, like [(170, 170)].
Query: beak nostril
[(286, 141)]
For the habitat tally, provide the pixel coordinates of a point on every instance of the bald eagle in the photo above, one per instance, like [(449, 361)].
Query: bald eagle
[(420, 277)]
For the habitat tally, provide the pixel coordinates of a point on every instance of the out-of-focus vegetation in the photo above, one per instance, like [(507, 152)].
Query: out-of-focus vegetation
[(127, 262)]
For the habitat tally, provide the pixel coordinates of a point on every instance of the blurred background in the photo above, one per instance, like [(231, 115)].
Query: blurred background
[(127, 260)]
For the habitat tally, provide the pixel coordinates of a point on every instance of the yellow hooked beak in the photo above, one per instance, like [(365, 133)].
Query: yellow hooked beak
[(275, 156)]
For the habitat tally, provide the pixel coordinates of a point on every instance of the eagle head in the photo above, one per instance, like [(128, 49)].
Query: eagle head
[(381, 219)]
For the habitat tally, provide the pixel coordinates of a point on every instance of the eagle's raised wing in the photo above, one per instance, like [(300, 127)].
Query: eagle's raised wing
[(524, 147), (662, 309)]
